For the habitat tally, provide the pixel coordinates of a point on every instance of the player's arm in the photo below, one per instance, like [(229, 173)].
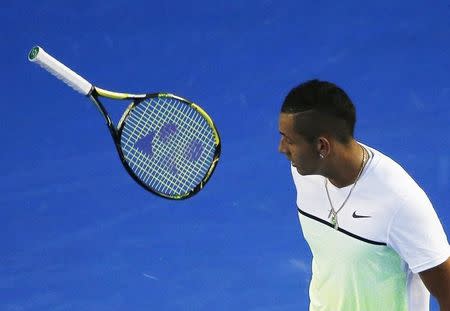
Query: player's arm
[(437, 281)]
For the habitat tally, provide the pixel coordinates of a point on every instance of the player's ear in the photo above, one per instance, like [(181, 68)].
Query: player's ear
[(323, 147)]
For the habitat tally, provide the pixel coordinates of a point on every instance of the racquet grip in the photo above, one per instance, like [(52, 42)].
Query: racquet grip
[(59, 70)]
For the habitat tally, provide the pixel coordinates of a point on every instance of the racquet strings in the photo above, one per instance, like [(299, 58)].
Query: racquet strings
[(168, 144)]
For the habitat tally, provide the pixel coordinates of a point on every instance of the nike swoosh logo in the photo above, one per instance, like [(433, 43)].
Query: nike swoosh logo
[(359, 216)]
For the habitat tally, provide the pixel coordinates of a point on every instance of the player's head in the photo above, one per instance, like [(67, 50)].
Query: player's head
[(322, 108), (315, 116)]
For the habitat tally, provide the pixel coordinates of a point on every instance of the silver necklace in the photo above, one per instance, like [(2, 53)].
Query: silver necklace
[(334, 213)]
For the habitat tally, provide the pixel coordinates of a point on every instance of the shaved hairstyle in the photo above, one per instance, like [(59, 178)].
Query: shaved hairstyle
[(321, 108)]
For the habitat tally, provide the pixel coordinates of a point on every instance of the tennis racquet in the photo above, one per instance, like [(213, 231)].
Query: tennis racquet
[(169, 145)]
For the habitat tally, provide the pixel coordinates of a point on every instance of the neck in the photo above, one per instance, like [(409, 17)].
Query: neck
[(345, 164)]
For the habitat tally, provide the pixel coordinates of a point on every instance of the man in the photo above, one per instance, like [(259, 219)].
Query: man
[(376, 241)]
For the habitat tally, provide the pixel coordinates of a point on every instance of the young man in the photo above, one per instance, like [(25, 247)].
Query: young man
[(376, 241)]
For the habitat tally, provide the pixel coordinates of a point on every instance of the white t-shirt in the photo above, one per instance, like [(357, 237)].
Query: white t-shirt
[(388, 233)]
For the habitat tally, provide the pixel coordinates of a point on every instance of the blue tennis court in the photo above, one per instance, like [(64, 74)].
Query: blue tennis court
[(79, 234)]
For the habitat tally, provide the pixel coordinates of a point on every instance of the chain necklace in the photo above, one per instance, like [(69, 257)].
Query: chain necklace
[(334, 213)]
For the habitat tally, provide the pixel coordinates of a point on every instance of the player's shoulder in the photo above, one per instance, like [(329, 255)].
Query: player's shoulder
[(391, 179)]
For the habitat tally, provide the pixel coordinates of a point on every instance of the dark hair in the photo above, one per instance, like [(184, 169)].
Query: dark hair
[(328, 108)]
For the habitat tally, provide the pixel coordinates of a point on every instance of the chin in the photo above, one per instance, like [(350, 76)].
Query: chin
[(304, 172), (301, 172)]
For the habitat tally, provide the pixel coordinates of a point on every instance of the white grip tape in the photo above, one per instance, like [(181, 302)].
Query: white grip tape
[(59, 70)]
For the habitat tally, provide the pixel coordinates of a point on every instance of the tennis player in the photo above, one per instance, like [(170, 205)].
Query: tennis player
[(376, 241)]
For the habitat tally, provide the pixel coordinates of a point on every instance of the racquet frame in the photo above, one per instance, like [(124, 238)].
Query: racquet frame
[(84, 87)]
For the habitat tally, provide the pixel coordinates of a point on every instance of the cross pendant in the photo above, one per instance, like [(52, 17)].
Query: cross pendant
[(334, 221)]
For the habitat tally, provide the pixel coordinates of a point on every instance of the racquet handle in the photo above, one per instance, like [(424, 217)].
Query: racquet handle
[(59, 70)]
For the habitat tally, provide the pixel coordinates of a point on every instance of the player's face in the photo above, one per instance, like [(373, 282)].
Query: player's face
[(302, 154)]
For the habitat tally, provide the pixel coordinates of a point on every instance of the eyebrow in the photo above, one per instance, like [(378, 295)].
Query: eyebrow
[(285, 135)]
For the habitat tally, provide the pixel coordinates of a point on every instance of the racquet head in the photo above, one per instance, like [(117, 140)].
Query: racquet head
[(168, 144)]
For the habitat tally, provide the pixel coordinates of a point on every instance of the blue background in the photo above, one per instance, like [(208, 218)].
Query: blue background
[(79, 234)]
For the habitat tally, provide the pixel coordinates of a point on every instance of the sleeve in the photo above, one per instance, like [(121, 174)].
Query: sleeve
[(417, 235)]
